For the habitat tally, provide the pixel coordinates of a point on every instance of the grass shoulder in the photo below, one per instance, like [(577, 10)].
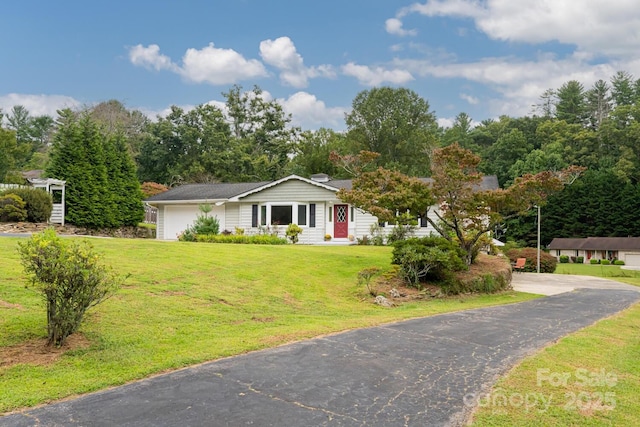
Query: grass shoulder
[(590, 377)]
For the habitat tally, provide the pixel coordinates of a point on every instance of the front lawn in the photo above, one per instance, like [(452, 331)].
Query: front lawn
[(186, 303), (613, 272)]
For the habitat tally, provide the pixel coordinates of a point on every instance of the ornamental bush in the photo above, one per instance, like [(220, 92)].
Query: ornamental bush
[(203, 225), (39, 203), (564, 259), (605, 262), (71, 278), (12, 208), (293, 230), (427, 258), (618, 262)]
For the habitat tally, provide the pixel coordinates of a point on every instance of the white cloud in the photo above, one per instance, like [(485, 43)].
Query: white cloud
[(599, 26), (282, 54), (446, 122), (374, 76), (210, 64), (395, 26), (518, 83), (470, 99), (309, 112), (219, 66), (150, 57), (38, 105)]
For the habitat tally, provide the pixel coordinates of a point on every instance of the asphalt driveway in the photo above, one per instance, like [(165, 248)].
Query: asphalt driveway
[(422, 372)]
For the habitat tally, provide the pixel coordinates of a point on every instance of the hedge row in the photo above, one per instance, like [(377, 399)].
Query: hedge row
[(259, 239)]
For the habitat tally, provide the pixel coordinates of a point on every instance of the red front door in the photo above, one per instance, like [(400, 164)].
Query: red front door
[(340, 221)]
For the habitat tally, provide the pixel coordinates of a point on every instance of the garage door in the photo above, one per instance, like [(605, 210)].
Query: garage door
[(632, 259), (178, 218)]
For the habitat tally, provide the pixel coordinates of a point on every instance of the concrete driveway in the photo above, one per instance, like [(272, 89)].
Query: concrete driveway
[(421, 372), (552, 284)]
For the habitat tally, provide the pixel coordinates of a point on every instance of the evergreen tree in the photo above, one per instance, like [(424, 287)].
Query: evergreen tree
[(101, 190)]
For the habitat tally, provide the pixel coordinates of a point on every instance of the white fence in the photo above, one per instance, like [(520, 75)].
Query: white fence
[(7, 186)]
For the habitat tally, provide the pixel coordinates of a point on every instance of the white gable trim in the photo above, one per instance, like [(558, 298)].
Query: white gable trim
[(280, 181)]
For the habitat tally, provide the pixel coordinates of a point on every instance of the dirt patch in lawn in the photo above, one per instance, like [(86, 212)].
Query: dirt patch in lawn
[(4, 304), (36, 351)]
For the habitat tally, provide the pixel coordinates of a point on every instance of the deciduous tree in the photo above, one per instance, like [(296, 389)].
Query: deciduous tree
[(398, 124)]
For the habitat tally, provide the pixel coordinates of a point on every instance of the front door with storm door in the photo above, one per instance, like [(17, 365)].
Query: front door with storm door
[(340, 221)]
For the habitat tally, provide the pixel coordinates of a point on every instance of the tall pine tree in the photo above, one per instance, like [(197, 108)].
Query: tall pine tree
[(101, 188)]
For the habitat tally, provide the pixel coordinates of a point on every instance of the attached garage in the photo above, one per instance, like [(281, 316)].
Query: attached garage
[(632, 259), (183, 216)]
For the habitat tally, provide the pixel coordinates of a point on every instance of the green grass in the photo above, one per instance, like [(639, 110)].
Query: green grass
[(601, 367), (186, 303), (613, 272)]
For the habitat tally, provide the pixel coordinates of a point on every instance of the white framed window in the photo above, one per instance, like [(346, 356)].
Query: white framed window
[(286, 213)]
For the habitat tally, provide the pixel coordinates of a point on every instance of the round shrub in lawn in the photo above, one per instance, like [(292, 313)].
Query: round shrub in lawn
[(39, 203), (564, 259), (547, 262)]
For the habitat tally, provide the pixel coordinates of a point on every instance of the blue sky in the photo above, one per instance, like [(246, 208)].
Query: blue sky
[(485, 58)]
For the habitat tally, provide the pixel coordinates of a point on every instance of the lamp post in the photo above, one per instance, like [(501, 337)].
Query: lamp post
[(538, 263)]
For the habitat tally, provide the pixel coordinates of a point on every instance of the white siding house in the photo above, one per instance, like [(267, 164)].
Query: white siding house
[(310, 203)]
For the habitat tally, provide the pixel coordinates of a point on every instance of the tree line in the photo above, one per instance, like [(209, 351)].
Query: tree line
[(250, 138)]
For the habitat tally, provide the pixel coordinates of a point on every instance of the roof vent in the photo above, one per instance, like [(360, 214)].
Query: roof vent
[(320, 177)]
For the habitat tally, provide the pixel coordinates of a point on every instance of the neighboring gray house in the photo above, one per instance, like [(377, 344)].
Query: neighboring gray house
[(310, 203), (626, 249)]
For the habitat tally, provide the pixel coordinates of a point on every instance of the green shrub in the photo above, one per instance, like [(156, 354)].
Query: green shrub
[(258, 239), (12, 208), (564, 259), (203, 225), (400, 232), (579, 260), (594, 261), (486, 284), (70, 277), (293, 230), (427, 258), (39, 203), (605, 262), (547, 262), (618, 262), (364, 240)]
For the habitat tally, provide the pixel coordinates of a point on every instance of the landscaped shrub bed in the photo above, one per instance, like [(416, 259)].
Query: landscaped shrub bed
[(39, 203), (259, 239), (547, 262), (489, 274)]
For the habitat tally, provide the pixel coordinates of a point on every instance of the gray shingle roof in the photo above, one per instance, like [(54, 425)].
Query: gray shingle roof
[(597, 243), (206, 191), (223, 191)]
